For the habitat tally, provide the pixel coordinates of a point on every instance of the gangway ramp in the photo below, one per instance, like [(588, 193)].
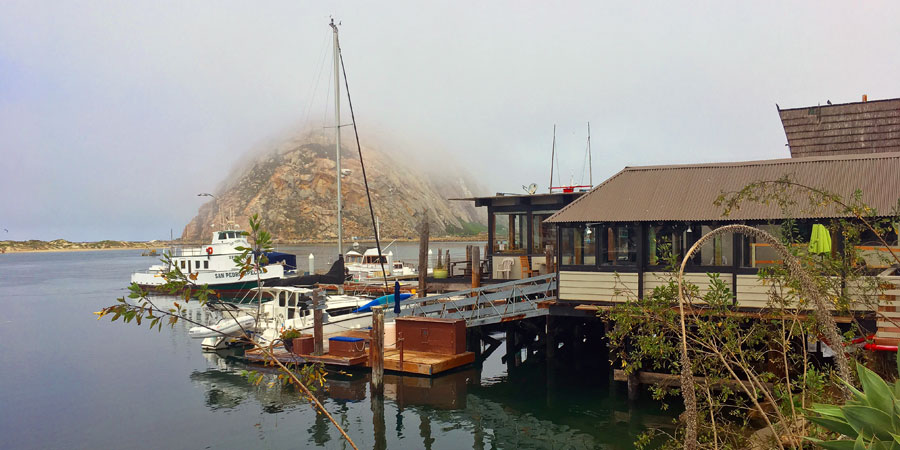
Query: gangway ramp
[(486, 305)]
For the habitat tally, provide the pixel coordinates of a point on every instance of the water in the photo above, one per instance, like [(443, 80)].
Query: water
[(70, 381)]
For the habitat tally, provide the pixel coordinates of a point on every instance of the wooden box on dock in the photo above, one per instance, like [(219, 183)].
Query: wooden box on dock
[(304, 345), (347, 347), (428, 334)]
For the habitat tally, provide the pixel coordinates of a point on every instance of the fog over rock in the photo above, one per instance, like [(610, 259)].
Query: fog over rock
[(292, 187)]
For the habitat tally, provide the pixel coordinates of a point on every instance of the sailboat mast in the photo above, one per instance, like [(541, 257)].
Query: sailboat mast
[(337, 135), (590, 166), (552, 155)]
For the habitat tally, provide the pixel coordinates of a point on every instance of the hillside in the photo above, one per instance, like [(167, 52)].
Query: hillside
[(292, 187)]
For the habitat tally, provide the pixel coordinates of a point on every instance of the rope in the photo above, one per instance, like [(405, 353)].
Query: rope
[(363, 166)]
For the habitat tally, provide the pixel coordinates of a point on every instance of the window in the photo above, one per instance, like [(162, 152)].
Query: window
[(196, 264), (206, 264), (510, 232), (182, 264), (543, 234), (222, 235), (665, 244), (756, 254), (717, 251), (578, 246), (619, 245)]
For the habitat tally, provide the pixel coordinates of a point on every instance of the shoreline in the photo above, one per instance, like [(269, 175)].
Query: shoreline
[(20, 246)]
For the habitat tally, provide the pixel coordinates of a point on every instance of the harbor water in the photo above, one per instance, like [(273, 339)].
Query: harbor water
[(71, 381)]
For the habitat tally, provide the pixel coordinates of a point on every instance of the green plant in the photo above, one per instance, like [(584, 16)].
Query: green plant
[(290, 333), (871, 420)]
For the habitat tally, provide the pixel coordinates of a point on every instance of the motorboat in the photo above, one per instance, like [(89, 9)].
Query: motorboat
[(214, 265)]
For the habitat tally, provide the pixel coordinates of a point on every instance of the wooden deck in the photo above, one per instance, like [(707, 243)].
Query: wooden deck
[(256, 356), (425, 363)]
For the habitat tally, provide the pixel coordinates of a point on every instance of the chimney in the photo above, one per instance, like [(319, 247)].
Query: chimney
[(865, 98)]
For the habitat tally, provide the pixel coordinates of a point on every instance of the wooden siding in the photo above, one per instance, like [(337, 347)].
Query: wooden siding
[(597, 286), (888, 312), (864, 127)]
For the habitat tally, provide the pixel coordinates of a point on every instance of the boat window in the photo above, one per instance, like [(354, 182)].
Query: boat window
[(618, 244), (206, 264), (196, 264), (290, 314), (221, 235), (292, 302), (341, 311), (280, 300), (182, 264)]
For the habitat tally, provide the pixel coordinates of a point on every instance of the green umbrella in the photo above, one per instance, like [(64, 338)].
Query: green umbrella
[(820, 241)]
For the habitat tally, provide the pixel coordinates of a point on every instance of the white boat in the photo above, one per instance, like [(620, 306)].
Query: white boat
[(211, 264), (367, 265), (228, 326), (291, 307)]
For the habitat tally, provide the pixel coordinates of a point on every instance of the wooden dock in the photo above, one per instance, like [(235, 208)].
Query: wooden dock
[(425, 363)]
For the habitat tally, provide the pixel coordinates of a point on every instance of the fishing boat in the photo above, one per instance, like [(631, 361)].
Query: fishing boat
[(214, 265)]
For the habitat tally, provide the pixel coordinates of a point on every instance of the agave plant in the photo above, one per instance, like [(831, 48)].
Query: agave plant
[(870, 421)]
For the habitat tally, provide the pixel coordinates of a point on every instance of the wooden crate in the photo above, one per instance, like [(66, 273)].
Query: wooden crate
[(348, 347), (426, 334), (304, 345)]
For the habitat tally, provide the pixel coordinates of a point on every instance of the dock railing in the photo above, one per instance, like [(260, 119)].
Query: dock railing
[(503, 302)]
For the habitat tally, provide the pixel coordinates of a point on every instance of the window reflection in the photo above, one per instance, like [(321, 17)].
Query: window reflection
[(578, 246), (619, 244)]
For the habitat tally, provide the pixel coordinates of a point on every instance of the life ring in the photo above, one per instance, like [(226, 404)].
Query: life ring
[(209, 250)]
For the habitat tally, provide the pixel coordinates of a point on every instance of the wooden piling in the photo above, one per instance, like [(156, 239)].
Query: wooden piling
[(318, 298), (548, 261), (476, 267), (376, 349), (423, 255)]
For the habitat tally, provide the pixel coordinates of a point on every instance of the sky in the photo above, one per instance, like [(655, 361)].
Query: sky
[(115, 115)]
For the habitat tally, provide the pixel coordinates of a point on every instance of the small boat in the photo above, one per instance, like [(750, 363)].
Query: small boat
[(227, 326), (366, 265), (214, 265), (291, 307)]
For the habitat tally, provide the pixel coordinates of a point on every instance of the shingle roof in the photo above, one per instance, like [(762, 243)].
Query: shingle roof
[(687, 192), (864, 127)]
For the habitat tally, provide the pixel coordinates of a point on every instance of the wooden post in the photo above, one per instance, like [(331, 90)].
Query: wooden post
[(318, 299), (548, 259), (376, 350), (449, 274), (476, 267), (423, 255)]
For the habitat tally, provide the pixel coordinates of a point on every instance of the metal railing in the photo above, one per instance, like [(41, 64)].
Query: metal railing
[(512, 300)]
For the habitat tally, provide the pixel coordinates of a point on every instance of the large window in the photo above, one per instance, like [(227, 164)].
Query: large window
[(757, 254), (543, 234), (510, 233), (666, 244), (717, 251), (618, 244), (578, 246)]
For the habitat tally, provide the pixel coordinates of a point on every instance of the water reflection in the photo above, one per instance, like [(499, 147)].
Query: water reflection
[(419, 412)]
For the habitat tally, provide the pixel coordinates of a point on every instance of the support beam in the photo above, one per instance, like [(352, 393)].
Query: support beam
[(423, 254), (318, 300)]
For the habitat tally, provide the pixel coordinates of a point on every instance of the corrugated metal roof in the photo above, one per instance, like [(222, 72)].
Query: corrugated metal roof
[(687, 192), (850, 128)]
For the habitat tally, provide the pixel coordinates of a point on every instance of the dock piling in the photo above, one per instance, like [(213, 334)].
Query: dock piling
[(423, 255), (376, 350), (318, 344), (476, 267)]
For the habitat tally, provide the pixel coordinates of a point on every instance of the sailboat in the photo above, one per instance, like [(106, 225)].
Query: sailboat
[(283, 307)]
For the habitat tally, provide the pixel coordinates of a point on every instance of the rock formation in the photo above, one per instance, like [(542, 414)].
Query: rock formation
[(292, 187)]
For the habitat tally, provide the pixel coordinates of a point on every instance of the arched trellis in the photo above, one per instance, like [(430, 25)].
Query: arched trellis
[(807, 290)]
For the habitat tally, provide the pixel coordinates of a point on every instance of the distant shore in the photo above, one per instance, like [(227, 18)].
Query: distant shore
[(62, 245)]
